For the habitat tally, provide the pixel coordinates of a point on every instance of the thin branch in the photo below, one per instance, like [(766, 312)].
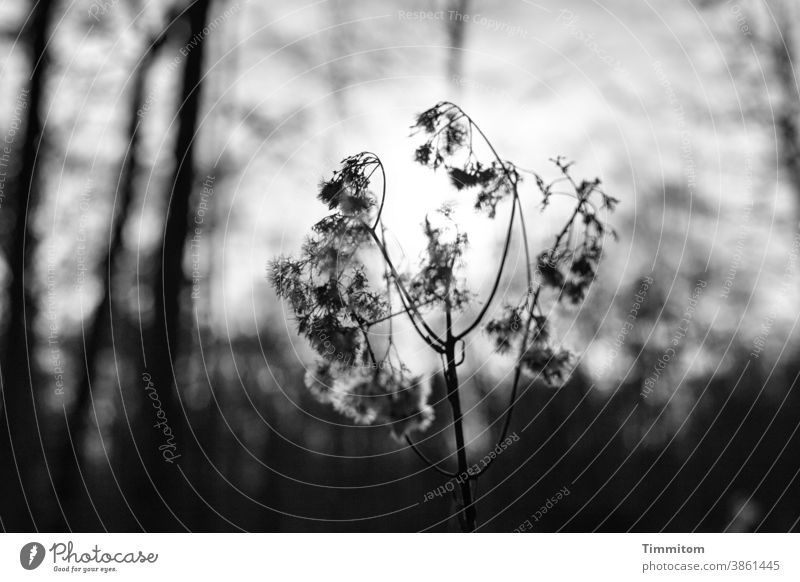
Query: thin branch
[(426, 460), (395, 314), (514, 387), (369, 347), (496, 285), (388, 278), (463, 352), (518, 370), (515, 384), (383, 194), (512, 181), (432, 339)]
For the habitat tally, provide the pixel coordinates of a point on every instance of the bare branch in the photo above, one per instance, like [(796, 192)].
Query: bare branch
[(426, 460)]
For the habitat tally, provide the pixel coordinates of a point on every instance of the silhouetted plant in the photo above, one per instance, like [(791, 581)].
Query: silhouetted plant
[(336, 306)]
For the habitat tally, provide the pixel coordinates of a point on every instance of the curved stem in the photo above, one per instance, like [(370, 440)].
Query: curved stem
[(426, 460), (524, 344), (389, 317), (383, 194), (432, 339), (513, 182), (369, 347), (525, 244), (496, 284)]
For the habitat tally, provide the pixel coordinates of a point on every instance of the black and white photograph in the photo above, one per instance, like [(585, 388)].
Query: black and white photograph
[(351, 267)]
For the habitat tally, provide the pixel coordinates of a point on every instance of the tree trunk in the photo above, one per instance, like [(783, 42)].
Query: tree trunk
[(788, 111), (162, 351), (70, 454), (456, 31), (20, 446)]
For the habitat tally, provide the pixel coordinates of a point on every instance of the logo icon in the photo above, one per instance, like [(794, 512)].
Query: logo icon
[(31, 555)]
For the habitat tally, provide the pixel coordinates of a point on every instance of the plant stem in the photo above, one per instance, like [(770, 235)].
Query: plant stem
[(469, 517)]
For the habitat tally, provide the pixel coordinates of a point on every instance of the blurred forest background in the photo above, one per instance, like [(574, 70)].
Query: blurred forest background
[(155, 156)]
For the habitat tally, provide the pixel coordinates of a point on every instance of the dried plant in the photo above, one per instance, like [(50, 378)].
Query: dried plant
[(337, 297)]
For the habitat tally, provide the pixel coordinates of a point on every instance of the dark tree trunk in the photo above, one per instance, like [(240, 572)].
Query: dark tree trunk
[(162, 351), (456, 31), (787, 118), (69, 484), (21, 451)]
